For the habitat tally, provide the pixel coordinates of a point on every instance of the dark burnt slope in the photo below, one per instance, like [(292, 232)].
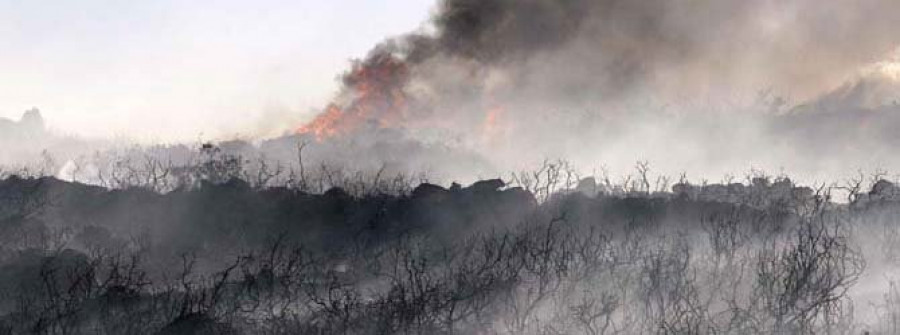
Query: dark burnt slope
[(233, 215)]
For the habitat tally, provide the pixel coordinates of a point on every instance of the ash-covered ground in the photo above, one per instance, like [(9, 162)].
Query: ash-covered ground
[(218, 248)]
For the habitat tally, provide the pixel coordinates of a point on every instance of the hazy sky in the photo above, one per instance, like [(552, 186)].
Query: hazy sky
[(174, 70)]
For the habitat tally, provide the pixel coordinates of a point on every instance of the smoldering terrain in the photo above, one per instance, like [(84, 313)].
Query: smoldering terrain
[(512, 167), (548, 252)]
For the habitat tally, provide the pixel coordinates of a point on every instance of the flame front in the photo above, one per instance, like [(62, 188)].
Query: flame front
[(375, 91), (325, 125)]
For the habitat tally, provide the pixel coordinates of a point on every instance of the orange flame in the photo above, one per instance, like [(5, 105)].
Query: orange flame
[(490, 121), (375, 88), (491, 127), (325, 125)]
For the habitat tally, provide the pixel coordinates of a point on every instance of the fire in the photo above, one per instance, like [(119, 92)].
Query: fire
[(376, 98), (325, 125), (490, 120), (491, 126)]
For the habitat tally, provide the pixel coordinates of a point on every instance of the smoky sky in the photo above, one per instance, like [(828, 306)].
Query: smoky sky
[(684, 46), (600, 80), (708, 87)]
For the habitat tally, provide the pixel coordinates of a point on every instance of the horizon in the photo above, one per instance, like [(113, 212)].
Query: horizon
[(476, 88), (174, 71)]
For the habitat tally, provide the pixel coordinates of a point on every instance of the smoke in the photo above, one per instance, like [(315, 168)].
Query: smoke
[(609, 48), (706, 87), (614, 81)]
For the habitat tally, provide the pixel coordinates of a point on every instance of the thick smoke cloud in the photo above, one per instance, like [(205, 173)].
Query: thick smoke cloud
[(601, 81), (609, 46), (704, 87)]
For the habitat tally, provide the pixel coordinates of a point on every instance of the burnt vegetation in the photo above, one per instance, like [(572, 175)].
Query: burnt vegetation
[(229, 246)]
